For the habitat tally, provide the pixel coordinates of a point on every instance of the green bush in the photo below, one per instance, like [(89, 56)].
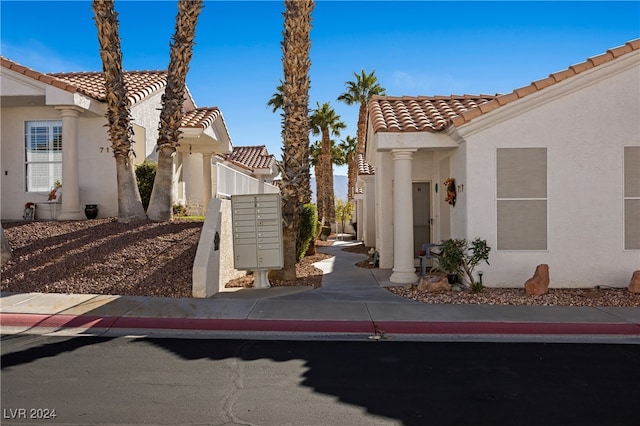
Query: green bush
[(307, 230), (460, 257), (145, 174), (179, 210)]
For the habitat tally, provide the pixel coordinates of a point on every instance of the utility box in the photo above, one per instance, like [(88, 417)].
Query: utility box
[(257, 231)]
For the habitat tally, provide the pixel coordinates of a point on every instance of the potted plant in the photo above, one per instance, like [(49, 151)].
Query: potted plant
[(56, 192), (458, 259)]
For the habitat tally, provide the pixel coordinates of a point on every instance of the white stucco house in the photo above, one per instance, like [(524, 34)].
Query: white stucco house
[(547, 174), (53, 127)]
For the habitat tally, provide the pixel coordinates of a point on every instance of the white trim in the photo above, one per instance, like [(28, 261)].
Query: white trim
[(548, 94)]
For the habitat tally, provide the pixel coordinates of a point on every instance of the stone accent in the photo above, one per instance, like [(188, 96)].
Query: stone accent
[(634, 284), (539, 283), (434, 283)]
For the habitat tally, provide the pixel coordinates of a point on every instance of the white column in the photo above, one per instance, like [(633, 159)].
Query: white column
[(403, 269), (70, 208), (261, 276), (206, 177)]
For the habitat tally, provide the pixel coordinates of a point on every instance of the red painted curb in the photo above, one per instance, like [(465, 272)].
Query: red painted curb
[(311, 326)]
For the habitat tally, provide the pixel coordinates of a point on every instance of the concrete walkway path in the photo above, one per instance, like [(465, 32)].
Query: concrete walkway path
[(352, 304)]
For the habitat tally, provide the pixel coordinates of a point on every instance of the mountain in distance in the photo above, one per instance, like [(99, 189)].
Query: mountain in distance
[(340, 187)]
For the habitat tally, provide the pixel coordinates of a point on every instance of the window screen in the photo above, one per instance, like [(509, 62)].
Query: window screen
[(43, 154), (522, 198), (632, 197)]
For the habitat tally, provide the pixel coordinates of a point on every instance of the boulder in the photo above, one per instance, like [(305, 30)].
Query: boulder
[(634, 284), (434, 283), (539, 283)]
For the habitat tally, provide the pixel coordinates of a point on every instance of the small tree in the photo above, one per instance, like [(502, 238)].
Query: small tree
[(307, 230), (343, 212), (146, 174), (460, 257)]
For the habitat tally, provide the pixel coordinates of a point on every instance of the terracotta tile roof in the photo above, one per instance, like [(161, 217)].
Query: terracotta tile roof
[(201, 117), (420, 113), (554, 78), (13, 66), (252, 157), (364, 168), (140, 84), (437, 113)]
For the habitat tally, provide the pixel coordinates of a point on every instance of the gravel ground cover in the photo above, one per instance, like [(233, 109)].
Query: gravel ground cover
[(103, 256)]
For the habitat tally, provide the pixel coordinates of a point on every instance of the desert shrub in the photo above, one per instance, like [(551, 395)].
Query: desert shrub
[(145, 175), (307, 230), (460, 257), (179, 210)]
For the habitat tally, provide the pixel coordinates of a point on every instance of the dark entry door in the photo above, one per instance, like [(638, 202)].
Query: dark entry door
[(421, 215)]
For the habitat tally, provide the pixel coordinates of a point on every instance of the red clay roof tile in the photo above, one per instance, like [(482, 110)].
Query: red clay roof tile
[(252, 157), (442, 111), (420, 113), (364, 168)]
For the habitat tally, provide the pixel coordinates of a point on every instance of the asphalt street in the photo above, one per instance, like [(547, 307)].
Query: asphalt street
[(93, 380)]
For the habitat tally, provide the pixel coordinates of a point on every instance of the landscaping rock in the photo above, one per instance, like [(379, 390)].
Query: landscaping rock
[(634, 284), (539, 283), (434, 283)]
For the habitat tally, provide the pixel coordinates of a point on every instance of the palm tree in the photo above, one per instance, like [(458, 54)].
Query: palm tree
[(360, 92), (294, 167), (6, 254), (277, 101), (118, 111), (324, 121), (337, 158), (171, 114), (348, 147)]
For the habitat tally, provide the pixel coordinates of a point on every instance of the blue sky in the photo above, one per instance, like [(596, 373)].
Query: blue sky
[(415, 48)]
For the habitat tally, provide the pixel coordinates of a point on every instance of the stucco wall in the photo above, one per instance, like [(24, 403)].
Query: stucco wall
[(584, 124), (227, 271), (147, 115), (96, 164)]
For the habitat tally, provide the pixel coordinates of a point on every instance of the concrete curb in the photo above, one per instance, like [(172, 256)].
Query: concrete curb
[(381, 328)]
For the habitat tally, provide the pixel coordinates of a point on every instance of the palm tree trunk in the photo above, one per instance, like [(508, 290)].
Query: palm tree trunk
[(328, 200), (6, 253), (362, 127), (160, 204), (351, 173), (295, 127), (118, 112)]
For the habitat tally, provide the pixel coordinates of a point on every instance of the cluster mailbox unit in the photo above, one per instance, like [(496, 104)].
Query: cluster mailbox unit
[(257, 234)]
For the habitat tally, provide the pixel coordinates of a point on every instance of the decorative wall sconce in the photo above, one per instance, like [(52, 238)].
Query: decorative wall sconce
[(450, 185)]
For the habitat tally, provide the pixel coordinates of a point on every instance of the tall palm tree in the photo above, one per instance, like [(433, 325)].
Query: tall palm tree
[(360, 92), (276, 102), (348, 147), (160, 208), (337, 158), (324, 121), (294, 166), (118, 111)]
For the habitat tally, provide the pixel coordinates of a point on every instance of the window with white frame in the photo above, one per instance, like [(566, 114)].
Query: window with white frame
[(632, 197), (43, 154), (522, 198)]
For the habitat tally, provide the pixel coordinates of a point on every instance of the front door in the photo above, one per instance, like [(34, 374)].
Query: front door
[(421, 215)]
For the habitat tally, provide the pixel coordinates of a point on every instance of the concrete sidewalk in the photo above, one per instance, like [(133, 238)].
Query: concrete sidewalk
[(352, 304)]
